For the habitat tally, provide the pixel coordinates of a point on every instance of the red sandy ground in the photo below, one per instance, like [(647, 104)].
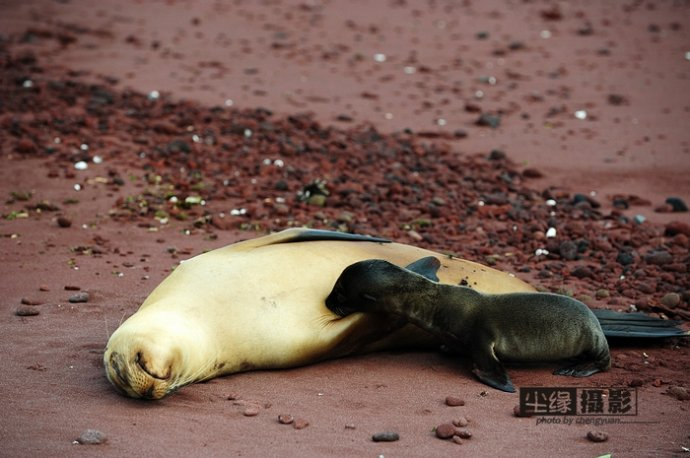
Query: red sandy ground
[(319, 57)]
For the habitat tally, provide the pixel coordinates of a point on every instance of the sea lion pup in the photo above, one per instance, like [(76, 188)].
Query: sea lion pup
[(516, 327)]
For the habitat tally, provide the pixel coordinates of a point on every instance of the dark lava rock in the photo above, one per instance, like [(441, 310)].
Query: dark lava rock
[(677, 227), (582, 272), (92, 437), (625, 258), (497, 155), (568, 250), (489, 120), (677, 204), (79, 297), (583, 198), (387, 436), (64, 222), (658, 257)]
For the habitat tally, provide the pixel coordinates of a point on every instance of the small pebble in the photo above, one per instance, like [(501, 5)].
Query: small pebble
[(285, 419), (677, 227), (635, 382), (445, 431), (463, 434), (72, 288), (454, 401), (532, 173), (92, 437), (671, 300), (679, 393), (251, 411), (658, 257), (300, 423), (79, 297), (387, 436), (456, 439), (64, 222), (597, 436), (461, 422), (519, 413), (31, 301), (24, 310)]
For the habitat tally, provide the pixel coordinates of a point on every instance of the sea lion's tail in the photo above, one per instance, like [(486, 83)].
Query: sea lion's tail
[(637, 325)]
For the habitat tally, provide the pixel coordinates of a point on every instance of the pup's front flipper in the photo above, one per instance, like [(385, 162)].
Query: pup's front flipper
[(490, 370)]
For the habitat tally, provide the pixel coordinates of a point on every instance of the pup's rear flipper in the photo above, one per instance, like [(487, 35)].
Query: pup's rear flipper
[(637, 325), (578, 370)]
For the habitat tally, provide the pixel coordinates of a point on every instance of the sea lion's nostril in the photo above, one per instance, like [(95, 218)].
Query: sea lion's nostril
[(141, 361)]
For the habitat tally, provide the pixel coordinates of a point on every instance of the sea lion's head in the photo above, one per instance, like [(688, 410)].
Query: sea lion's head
[(153, 354), (363, 284)]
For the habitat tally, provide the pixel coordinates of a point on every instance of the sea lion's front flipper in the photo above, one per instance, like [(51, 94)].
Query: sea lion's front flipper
[(426, 267), (490, 370)]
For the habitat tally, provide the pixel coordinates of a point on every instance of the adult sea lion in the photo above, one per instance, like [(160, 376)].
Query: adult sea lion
[(260, 304), (518, 327)]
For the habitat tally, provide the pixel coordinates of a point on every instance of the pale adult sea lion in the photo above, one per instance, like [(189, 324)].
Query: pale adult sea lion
[(518, 327), (260, 304)]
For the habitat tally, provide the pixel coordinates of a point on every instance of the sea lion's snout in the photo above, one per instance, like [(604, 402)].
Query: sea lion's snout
[(160, 373), (337, 301)]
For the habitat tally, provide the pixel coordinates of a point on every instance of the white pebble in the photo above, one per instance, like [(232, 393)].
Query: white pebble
[(551, 232), (581, 114)]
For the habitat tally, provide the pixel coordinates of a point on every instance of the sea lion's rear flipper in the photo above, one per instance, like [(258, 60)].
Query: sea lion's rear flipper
[(637, 325), (294, 235), (426, 267), (490, 370)]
